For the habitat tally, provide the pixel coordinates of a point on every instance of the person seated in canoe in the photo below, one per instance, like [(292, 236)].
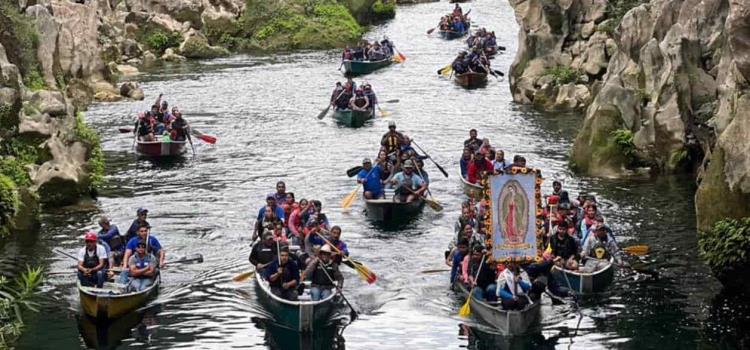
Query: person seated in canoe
[(141, 268), (110, 235), (555, 281), (563, 243), (421, 171), (152, 247), (369, 177), (295, 226), (458, 25), (359, 102), (273, 224), (445, 23), (324, 274), (455, 256), (467, 217), (599, 248), (92, 262), (270, 206), (264, 252), (179, 128), (479, 274), (491, 41), (392, 140), (342, 102), (409, 186), (479, 168), (512, 289), (337, 90), (144, 126), (473, 142), (347, 55), (141, 214), (518, 163), (335, 239), (588, 221), (499, 163), (464, 162), (283, 276), (388, 47), (370, 94), (457, 11)]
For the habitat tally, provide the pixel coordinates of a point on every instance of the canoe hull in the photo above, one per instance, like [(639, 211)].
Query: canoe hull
[(450, 34), (161, 149), (588, 283), (302, 316), (352, 118), (507, 322), (112, 306), (364, 67), (388, 210), (471, 80), (470, 189)]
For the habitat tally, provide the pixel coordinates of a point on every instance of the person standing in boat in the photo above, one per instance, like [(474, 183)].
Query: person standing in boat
[(92, 262), (359, 102), (141, 268), (283, 276), (323, 272), (369, 177), (409, 186), (141, 216)]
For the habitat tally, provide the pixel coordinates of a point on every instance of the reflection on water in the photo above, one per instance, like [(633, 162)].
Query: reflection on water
[(263, 111), (280, 338), (109, 335)]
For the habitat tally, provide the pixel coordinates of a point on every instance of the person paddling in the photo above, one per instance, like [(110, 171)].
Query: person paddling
[(283, 276), (263, 253), (369, 177), (92, 262), (392, 140), (409, 186), (323, 271)]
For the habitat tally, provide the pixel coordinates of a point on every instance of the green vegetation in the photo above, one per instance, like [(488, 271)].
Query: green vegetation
[(608, 26), (384, 9), (14, 299), (160, 41), (725, 248), (33, 81), (20, 39), (96, 156), (616, 9), (9, 203), (623, 138), (8, 116), (562, 75)]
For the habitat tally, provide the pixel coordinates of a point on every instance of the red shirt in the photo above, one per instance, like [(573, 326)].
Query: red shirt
[(475, 171)]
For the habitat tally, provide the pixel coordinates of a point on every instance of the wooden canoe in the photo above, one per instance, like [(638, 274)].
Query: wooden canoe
[(387, 210), (364, 67), (470, 189), (301, 316), (352, 118), (471, 80), (110, 301), (514, 322), (588, 283), (451, 34), (160, 148)]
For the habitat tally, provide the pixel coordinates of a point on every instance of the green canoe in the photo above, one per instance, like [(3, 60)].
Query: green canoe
[(301, 316), (352, 118), (364, 67)]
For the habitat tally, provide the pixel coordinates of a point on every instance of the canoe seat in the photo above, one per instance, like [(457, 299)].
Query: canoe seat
[(305, 297)]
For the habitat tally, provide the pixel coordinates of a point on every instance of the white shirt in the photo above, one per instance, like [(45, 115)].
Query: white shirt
[(100, 252)]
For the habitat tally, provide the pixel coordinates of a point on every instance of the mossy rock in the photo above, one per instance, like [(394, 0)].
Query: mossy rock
[(714, 200), (9, 204), (197, 47), (596, 150)]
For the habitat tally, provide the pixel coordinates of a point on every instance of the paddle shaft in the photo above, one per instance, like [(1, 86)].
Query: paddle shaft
[(432, 160), (190, 139), (341, 292)]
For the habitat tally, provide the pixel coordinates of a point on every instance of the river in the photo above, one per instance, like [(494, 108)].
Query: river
[(262, 109)]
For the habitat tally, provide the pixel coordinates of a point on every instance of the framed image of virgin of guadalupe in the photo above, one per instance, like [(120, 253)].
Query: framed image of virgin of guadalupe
[(515, 210)]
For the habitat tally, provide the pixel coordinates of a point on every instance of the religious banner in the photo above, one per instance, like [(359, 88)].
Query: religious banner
[(516, 227)]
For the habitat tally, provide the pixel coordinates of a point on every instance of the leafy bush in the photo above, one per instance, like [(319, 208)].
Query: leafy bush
[(20, 38), (9, 203), (726, 246), (160, 41), (384, 9), (623, 138), (562, 75), (15, 170), (616, 9), (14, 299), (96, 156), (33, 81)]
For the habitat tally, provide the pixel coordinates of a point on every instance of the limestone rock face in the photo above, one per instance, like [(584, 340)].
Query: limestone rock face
[(196, 46), (555, 34), (131, 90)]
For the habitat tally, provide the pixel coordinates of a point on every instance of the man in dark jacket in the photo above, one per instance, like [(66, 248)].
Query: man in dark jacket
[(283, 276), (264, 253), (483, 284)]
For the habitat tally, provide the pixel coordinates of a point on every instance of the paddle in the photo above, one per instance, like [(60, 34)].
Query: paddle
[(432, 160), (383, 113), (349, 199), (392, 101), (401, 56), (190, 139), (325, 111), (206, 138), (442, 71), (354, 170), (435, 271), (434, 205), (429, 31), (197, 257), (364, 272), (354, 314), (465, 310), (125, 130), (637, 250)]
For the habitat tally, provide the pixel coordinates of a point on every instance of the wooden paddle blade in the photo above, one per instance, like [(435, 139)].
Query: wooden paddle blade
[(429, 31), (501, 48), (383, 113), (637, 250), (324, 112), (349, 199), (353, 171), (401, 57), (125, 130), (392, 101), (243, 276), (465, 310), (434, 204)]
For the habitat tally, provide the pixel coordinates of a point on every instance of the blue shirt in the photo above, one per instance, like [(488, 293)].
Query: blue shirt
[(464, 167), (291, 272), (277, 210), (133, 230), (373, 180), (153, 244), (106, 237), (457, 259)]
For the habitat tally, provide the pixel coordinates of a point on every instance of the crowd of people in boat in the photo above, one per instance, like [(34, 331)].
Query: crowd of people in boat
[(483, 40), (348, 96), (455, 21), (137, 255), (297, 243), (473, 61), (577, 237), (397, 167), (369, 51), (161, 124)]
